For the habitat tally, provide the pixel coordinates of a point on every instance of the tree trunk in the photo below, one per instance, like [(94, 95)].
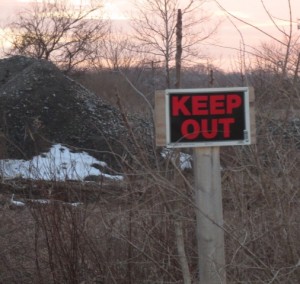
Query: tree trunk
[(178, 220), (178, 49)]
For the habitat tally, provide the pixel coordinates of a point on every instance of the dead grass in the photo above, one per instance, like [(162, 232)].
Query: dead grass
[(125, 233)]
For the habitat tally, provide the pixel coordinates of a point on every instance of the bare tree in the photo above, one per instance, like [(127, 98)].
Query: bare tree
[(154, 24), (119, 52), (281, 53), (58, 31)]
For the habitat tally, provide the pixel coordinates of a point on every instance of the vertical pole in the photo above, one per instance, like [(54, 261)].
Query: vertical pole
[(178, 49), (209, 215)]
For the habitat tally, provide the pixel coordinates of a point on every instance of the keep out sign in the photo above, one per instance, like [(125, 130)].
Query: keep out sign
[(207, 117)]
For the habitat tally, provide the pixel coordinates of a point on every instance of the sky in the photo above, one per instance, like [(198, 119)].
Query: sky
[(254, 13), (223, 47)]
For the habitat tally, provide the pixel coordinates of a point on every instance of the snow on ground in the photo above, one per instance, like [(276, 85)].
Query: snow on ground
[(18, 203), (185, 160), (58, 164)]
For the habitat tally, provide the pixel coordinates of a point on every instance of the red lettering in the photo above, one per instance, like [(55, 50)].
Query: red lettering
[(199, 105), (178, 104), (226, 126), (217, 104), (233, 101), (186, 127), (191, 129), (209, 134)]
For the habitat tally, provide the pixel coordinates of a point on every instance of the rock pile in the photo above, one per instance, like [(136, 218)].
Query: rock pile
[(40, 106)]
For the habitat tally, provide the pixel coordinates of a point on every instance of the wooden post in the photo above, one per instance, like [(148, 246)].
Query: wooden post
[(178, 49), (174, 113), (209, 215)]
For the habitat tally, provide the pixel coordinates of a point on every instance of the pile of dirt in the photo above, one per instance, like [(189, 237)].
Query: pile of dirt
[(40, 106)]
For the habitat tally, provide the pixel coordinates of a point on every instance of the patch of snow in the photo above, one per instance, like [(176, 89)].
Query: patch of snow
[(185, 160), (48, 201), (75, 204), (58, 164), (15, 202), (40, 201)]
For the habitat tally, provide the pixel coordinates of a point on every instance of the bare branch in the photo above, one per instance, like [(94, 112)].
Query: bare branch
[(58, 31)]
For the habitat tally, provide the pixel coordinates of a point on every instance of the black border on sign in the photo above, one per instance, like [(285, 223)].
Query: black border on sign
[(187, 144)]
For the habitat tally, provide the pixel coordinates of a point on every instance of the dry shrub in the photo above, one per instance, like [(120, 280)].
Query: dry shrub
[(261, 189), (16, 250), (59, 242), (126, 233)]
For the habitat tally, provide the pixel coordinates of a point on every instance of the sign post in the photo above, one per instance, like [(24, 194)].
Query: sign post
[(209, 215), (206, 119)]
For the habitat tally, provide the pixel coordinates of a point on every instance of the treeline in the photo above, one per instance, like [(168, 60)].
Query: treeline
[(273, 90)]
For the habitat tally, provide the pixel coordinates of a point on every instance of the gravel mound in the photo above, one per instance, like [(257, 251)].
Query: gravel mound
[(40, 106)]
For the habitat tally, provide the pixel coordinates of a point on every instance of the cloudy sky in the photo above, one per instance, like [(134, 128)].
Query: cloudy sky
[(232, 32), (229, 34)]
